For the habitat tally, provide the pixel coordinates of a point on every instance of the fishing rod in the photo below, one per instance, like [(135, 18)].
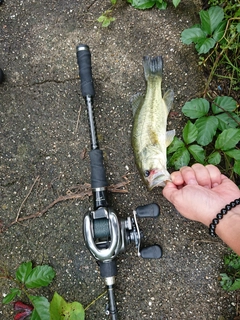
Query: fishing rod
[(105, 234)]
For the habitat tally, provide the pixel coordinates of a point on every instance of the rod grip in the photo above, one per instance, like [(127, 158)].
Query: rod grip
[(85, 70)]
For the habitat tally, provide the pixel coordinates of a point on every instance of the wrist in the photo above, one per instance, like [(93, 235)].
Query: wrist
[(227, 210), (228, 229)]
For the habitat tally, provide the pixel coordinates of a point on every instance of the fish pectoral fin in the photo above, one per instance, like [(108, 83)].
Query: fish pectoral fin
[(169, 137), (168, 99), (136, 100)]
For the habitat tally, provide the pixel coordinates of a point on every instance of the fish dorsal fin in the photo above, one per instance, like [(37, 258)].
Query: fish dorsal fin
[(168, 98), (169, 137), (136, 100)]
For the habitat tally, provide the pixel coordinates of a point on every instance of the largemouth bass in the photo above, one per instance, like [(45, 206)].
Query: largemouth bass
[(149, 136)]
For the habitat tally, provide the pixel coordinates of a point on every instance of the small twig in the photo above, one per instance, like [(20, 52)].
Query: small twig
[(79, 112), (82, 191), (81, 195), (205, 241), (95, 300), (91, 4), (25, 199)]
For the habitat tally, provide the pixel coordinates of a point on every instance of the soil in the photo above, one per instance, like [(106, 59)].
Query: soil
[(44, 153)]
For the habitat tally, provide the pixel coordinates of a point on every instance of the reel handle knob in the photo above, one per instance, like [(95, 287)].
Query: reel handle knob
[(151, 210), (151, 252), (85, 70)]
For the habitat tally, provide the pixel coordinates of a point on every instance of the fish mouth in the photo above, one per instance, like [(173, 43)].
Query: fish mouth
[(158, 182), (158, 179)]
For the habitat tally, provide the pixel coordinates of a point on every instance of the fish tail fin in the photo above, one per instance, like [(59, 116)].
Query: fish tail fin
[(153, 66)]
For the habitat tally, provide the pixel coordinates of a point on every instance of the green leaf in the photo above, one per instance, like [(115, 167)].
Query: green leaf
[(196, 108), (235, 285), (101, 18), (207, 127), (232, 260), (214, 158), (161, 4), (176, 3), (204, 45), (236, 167), (219, 31), (40, 276), (238, 26), (11, 296), (226, 281), (113, 2), (221, 104), (227, 139), (175, 145), (192, 35), (211, 18), (106, 19), (234, 153), (180, 158), (143, 4), (190, 132), (227, 120), (41, 308), (62, 310), (197, 152), (23, 271)]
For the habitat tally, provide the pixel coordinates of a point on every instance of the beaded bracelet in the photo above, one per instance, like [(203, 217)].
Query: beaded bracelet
[(220, 215)]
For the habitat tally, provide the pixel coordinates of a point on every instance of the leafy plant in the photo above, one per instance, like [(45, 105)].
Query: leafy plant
[(106, 18), (218, 34), (28, 278), (211, 137), (147, 4), (230, 280), (208, 33)]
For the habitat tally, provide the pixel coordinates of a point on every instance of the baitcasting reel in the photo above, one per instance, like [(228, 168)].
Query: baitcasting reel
[(106, 235)]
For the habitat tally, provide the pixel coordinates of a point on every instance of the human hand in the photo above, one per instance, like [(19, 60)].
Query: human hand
[(200, 192)]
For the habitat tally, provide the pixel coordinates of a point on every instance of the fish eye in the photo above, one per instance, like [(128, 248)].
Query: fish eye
[(147, 173)]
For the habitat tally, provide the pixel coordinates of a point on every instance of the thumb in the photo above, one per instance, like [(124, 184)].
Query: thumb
[(170, 191)]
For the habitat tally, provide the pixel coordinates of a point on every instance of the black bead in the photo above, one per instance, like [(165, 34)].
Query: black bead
[(237, 201), (228, 207), (223, 211), (215, 221), (233, 204), (212, 226), (212, 232), (219, 216)]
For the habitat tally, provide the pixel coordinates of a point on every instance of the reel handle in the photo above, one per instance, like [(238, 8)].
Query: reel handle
[(151, 252), (151, 210), (85, 70)]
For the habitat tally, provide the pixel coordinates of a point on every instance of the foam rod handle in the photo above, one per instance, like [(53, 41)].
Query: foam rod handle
[(148, 211), (85, 70)]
